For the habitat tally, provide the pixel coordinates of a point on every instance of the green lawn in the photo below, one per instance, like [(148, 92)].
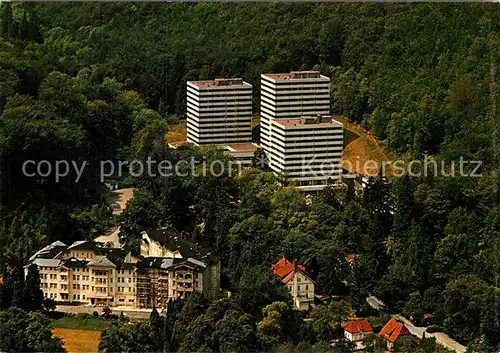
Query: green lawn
[(77, 323)]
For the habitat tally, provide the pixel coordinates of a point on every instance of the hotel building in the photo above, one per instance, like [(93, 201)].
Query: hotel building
[(291, 95), (308, 149), (87, 272), (219, 111)]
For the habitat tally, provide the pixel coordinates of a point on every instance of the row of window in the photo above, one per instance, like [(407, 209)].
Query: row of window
[(86, 255), (122, 300), (65, 296), (83, 278)]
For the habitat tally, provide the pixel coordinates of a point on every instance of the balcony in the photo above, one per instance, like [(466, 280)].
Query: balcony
[(184, 280)]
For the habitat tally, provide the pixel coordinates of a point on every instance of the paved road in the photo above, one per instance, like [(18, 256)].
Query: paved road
[(445, 340), (133, 314), (441, 337), (118, 200), (111, 237)]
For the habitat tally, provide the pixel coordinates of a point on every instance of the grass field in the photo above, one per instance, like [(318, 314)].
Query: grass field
[(77, 323), (78, 341)]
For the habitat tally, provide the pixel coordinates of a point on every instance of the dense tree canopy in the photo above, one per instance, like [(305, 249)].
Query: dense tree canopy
[(100, 81)]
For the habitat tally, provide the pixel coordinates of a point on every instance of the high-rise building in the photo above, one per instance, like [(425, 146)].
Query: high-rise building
[(291, 95), (308, 149), (219, 111)]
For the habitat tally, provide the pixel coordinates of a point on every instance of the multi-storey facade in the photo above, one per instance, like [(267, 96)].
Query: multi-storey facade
[(219, 111), (173, 268), (88, 273), (291, 95), (161, 279), (297, 281), (308, 149)]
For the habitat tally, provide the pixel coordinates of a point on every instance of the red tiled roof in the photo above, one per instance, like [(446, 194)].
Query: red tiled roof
[(351, 258), (358, 326), (285, 269), (288, 277), (393, 329)]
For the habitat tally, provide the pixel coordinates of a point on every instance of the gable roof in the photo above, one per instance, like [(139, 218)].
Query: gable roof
[(50, 251), (170, 238), (101, 261), (285, 269), (83, 245), (73, 262), (47, 262), (393, 329), (169, 263), (358, 326)]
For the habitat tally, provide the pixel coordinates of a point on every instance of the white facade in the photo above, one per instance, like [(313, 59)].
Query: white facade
[(219, 111), (358, 336), (89, 273), (301, 289), (291, 95), (72, 280), (308, 149)]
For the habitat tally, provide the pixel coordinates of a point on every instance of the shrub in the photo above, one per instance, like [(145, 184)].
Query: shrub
[(434, 328)]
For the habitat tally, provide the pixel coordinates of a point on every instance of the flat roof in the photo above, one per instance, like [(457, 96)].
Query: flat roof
[(297, 75), (242, 147), (309, 121), (220, 82)]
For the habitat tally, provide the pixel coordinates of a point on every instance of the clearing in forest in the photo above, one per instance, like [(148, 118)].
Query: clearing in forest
[(78, 341), (360, 146)]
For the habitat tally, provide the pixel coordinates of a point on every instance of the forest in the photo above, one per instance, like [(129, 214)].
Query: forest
[(103, 81)]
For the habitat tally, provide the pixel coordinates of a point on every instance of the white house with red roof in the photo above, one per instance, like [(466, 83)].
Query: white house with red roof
[(392, 330), (357, 331), (298, 282)]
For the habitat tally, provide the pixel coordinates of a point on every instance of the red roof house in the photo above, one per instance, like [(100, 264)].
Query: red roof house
[(285, 269), (358, 326), (297, 281), (357, 330), (392, 330)]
